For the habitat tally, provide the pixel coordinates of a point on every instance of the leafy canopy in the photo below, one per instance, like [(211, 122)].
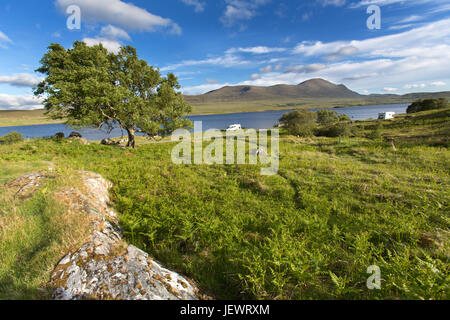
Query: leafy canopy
[(428, 104), (300, 123), (89, 86)]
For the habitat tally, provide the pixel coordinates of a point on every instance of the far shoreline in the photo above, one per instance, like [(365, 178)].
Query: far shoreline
[(43, 121)]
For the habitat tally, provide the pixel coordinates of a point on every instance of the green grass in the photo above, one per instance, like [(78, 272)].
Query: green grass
[(309, 232), (35, 233), (24, 118)]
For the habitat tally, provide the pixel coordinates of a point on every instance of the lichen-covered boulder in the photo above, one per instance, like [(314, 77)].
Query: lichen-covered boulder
[(109, 142), (26, 185), (106, 267), (75, 135), (59, 135)]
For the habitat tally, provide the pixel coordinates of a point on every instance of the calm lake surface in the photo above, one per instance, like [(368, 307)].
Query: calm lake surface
[(255, 120)]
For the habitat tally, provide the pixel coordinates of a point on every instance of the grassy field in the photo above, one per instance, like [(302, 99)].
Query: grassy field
[(24, 118), (309, 232), (35, 233)]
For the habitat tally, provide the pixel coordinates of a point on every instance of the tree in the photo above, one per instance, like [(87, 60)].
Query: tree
[(89, 86), (332, 124), (427, 104), (344, 118), (299, 123), (327, 117)]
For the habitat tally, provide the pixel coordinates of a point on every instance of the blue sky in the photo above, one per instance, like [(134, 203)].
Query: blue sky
[(212, 43)]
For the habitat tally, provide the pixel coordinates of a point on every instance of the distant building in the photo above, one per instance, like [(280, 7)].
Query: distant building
[(386, 115)]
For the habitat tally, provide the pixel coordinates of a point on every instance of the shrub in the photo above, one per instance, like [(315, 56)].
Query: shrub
[(376, 132), (300, 123), (10, 138), (335, 130), (325, 117), (333, 125), (427, 104)]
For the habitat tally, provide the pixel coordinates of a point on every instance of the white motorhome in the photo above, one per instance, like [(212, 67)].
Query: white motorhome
[(386, 115), (234, 127)]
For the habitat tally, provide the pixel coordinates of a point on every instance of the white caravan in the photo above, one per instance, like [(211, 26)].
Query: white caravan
[(386, 115), (234, 127)]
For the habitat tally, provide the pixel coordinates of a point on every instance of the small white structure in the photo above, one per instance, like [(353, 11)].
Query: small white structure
[(234, 127), (386, 115)]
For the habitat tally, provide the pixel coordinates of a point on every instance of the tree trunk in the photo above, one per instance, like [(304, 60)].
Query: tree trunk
[(131, 140)]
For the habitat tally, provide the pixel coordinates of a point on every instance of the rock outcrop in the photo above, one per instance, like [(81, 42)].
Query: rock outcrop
[(28, 184), (106, 267), (75, 135)]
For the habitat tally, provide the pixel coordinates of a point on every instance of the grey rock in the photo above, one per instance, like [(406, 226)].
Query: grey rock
[(109, 142), (75, 135), (59, 135), (106, 267)]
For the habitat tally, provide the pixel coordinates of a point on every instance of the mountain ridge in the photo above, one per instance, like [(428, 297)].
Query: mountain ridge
[(310, 89)]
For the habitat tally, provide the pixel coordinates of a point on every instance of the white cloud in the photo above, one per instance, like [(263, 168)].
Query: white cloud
[(120, 13), (420, 41), (112, 32), (439, 9), (412, 18), (390, 89), (305, 69), (399, 27), (198, 5), (256, 50), (438, 84), (266, 69), (336, 3), (200, 89), (4, 39), (110, 45), (341, 53), (241, 10), (21, 80), (255, 76), (414, 86), (366, 3), (19, 102), (228, 60), (211, 81)]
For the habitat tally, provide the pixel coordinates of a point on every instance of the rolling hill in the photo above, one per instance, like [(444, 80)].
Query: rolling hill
[(311, 89)]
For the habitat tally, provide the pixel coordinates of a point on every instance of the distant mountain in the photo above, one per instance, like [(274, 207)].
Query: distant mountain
[(315, 88), (311, 89)]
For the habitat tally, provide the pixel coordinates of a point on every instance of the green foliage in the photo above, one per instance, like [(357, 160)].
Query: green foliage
[(344, 117), (332, 124), (428, 104), (35, 232), (340, 129), (377, 131), (90, 86), (300, 123), (309, 232), (10, 138), (327, 117)]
